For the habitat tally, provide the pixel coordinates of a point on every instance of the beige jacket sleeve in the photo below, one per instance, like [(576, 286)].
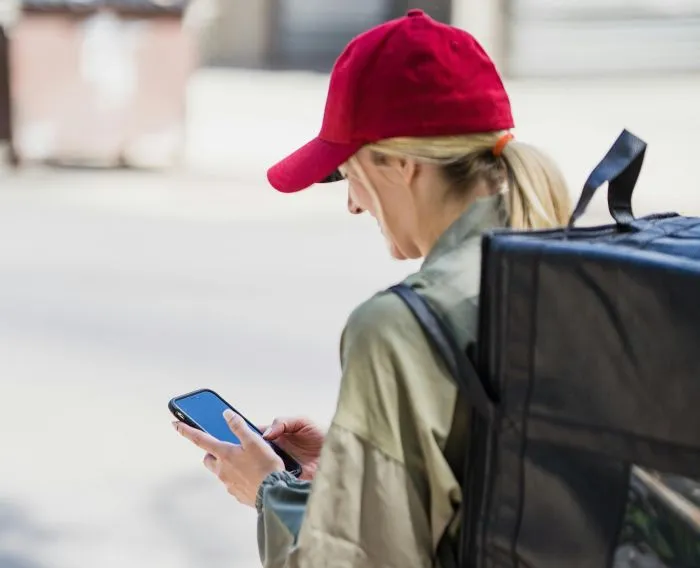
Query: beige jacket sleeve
[(384, 493)]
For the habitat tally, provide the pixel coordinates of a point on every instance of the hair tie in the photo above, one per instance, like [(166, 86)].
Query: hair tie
[(501, 144)]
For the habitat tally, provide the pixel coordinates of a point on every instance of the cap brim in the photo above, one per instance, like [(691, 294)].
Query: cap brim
[(315, 162)]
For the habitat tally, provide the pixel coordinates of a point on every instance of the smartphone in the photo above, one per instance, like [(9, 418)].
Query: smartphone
[(203, 409)]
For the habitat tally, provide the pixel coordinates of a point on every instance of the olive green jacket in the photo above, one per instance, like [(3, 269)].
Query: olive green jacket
[(384, 493)]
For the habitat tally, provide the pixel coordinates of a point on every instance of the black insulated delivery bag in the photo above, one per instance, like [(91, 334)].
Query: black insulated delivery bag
[(584, 388)]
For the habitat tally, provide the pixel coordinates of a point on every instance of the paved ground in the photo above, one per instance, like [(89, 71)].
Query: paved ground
[(119, 290)]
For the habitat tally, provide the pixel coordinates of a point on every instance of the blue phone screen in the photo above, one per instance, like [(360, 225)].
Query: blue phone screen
[(206, 410)]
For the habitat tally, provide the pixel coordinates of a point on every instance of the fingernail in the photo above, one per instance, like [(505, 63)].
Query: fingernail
[(230, 415), (175, 425), (267, 432)]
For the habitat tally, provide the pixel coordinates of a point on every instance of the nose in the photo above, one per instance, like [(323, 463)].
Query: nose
[(353, 207)]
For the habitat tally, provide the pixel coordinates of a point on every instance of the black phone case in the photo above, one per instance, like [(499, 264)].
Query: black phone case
[(290, 464)]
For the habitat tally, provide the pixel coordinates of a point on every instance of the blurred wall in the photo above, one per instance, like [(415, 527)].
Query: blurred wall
[(8, 11), (238, 34), (526, 38), (297, 34), (555, 38), (486, 21), (310, 34)]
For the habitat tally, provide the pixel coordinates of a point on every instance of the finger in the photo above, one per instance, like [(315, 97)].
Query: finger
[(283, 444), (210, 463), (240, 428), (282, 426), (200, 439), (275, 430)]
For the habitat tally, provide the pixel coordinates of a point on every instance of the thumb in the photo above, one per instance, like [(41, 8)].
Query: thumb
[(239, 427)]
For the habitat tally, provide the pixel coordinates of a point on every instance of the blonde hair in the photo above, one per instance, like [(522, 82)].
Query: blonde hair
[(356, 169), (535, 189)]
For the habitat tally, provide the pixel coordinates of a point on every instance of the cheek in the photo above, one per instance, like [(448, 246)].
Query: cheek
[(394, 211)]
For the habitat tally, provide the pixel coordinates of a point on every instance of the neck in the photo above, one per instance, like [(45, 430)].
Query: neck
[(433, 228), (444, 214)]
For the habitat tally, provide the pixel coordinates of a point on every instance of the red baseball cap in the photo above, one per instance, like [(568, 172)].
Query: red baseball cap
[(412, 76)]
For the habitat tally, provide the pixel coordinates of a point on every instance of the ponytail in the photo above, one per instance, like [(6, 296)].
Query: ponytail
[(537, 195)]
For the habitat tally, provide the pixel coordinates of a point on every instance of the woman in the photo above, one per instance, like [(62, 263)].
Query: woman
[(417, 121)]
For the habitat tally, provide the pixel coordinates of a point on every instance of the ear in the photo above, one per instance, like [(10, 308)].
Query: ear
[(408, 169)]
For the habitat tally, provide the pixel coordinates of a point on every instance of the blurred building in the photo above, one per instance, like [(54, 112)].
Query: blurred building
[(96, 82), (583, 37), (526, 37)]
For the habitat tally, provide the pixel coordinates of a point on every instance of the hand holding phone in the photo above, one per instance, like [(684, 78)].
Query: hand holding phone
[(243, 459), (203, 409)]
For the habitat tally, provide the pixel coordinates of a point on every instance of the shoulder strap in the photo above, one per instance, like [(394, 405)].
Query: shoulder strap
[(469, 386), (460, 366)]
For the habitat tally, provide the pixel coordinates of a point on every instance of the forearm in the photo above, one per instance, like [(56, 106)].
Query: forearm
[(281, 504)]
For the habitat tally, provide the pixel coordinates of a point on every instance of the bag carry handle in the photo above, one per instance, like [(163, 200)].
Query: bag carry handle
[(620, 168), (460, 366)]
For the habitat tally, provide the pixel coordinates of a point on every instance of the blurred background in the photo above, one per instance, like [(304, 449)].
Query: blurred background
[(142, 254)]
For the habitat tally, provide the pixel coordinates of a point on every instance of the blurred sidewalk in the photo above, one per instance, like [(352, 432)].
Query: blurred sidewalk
[(240, 122)]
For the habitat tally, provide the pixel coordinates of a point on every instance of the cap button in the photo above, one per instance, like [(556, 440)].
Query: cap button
[(415, 12)]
